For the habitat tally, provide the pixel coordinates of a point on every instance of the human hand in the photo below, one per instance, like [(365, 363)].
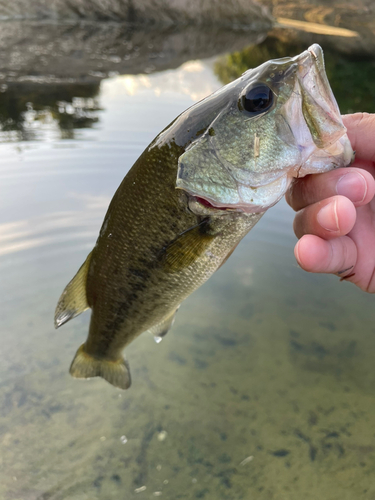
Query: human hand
[(335, 220)]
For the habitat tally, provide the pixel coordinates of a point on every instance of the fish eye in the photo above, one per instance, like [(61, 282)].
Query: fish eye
[(258, 99)]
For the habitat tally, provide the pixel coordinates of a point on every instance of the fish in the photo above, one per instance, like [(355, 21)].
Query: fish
[(193, 194)]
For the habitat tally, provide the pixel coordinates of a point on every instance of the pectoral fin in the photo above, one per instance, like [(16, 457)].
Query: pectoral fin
[(186, 248), (115, 372), (162, 328), (73, 300)]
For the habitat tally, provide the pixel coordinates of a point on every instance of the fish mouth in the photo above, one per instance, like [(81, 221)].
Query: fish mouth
[(314, 117), (203, 206), (319, 107), (206, 206)]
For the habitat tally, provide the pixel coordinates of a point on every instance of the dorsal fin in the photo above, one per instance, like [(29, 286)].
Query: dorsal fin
[(73, 300)]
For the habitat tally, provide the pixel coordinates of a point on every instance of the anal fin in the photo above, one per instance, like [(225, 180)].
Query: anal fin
[(73, 300), (115, 372), (161, 329)]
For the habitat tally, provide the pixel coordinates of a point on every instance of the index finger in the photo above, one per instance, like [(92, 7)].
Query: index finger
[(361, 133)]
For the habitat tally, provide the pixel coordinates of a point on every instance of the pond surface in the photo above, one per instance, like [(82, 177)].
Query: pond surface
[(265, 386)]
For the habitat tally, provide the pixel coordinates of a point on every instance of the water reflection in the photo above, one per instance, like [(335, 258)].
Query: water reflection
[(25, 109), (30, 113), (50, 52), (55, 228)]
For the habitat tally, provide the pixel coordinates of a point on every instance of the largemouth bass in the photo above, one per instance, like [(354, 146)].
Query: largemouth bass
[(190, 198)]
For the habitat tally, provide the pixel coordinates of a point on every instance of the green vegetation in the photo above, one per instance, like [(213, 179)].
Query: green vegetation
[(351, 76)]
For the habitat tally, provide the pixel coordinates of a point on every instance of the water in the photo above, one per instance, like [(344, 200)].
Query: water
[(263, 389)]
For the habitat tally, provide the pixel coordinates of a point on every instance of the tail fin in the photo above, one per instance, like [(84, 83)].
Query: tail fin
[(86, 366)]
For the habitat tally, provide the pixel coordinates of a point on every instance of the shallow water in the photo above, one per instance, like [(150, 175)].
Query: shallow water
[(263, 389)]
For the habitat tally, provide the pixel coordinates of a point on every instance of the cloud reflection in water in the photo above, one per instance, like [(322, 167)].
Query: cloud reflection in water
[(54, 228)]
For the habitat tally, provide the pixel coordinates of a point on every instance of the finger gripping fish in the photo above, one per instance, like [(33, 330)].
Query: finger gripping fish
[(190, 198)]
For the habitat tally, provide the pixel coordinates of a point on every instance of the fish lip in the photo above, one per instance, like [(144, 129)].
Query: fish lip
[(319, 127), (201, 205), (315, 86), (315, 51), (209, 205), (313, 56)]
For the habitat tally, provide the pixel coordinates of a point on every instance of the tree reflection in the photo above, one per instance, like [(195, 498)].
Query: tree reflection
[(69, 106), (351, 75)]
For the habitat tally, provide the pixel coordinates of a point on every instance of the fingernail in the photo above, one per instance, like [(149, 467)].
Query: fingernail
[(353, 186), (327, 217)]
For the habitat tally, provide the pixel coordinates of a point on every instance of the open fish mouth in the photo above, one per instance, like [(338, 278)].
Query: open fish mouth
[(320, 112)]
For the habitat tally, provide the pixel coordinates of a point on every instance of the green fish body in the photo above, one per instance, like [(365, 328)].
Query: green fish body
[(190, 198)]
